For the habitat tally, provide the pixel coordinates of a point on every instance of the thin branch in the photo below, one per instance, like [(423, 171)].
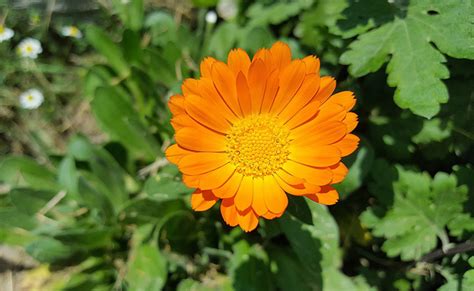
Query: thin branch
[(51, 203), (456, 249)]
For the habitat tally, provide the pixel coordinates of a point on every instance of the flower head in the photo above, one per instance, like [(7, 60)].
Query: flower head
[(249, 132), (227, 9), (71, 31), (211, 17), (29, 48), (5, 33), (31, 99)]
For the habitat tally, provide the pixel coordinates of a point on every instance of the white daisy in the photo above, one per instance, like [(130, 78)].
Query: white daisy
[(5, 33), (29, 48), (31, 99), (211, 17), (71, 31), (227, 9)]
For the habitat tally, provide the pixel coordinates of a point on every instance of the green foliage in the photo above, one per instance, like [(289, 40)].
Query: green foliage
[(416, 67), (421, 208), (86, 191)]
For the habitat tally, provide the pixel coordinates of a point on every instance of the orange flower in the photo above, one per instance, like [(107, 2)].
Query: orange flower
[(250, 131)]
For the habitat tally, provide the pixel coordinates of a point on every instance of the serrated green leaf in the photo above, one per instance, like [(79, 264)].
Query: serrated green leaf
[(416, 67), (422, 208)]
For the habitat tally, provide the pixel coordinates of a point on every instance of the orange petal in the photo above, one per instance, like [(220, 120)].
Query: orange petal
[(238, 61), (175, 153), (202, 162), (304, 95), (339, 172), (270, 215), (248, 220), (312, 65), (209, 91), (271, 89), (281, 55), (327, 196), (228, 212), (176, 104), (330, 111), (191, 181), (326, 88), (258, 203), (258, 74), (347, 145), (264, 55), (202, 200), (230, 187), (291, 79), (243, 198), (190, 86), (224, 80), (317, 156), (351, 120), (243, 94), (319, 134), (206, 66), (294, 189), (344, 98), (200, 139), (290, 179), (304, 115), (206, 113), (216, 178), (275, 198), (316, 176)]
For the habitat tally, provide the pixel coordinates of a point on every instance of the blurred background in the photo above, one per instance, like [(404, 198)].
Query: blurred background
[(88, 201)]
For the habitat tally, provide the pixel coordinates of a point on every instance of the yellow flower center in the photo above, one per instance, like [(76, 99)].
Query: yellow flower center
[(30, 97), (29, 49), (258, 145), (2, 29), (74, 31)]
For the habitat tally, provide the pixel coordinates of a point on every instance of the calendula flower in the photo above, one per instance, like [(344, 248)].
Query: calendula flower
[(211, 17), (31, 99), (5, 33), (29, 48), (249, 132), (71, 31), (227, 9)]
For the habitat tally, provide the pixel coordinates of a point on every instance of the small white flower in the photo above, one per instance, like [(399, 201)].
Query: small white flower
[(211, 17), (5, 33), (29, 48), (31, 99), (71, 31), (227, 9)]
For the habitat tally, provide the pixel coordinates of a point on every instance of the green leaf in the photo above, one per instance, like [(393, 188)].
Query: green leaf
[(223, 39), (118, 118), (67, 175), (151, 210), (146, 269), (291, 274), (249, 268), (434, 130), (165, 187), (11, 217), (86, 238), (48, 250), (298, 207), (422, 208), (104, 45), (94, 198), (359, 165), (276, 13), (416, 67), (17, 171), (30, 201)]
